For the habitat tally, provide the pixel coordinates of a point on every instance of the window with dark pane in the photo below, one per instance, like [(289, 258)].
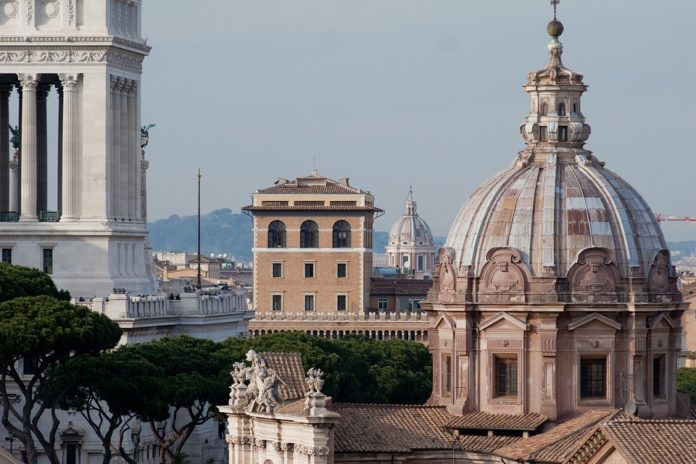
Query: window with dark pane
[(593, 378)]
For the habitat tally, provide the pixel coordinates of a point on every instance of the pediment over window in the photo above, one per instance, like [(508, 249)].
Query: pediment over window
[(598, 320), (444, 322), (503, 320), (662, 321)]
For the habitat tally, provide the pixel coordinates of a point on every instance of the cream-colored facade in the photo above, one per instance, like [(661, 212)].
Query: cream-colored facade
[(312, 246)]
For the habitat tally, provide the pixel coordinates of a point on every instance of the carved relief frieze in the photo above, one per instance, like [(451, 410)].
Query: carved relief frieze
[(446, 275), (503, 278), (62, 56), (312, 450), (593, 278), (659, 285)]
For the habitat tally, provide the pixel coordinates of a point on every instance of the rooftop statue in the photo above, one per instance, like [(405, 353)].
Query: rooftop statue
[(15, 140)]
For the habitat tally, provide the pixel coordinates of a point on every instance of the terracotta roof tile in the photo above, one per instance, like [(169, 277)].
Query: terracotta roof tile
[(483, 421), (653, 441), (391, 428), (484, 444), (554, 445), (296, 408), (310, 189), (289, 369)]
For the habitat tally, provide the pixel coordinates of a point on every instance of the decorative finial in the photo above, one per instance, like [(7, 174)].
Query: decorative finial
[(555, 27)]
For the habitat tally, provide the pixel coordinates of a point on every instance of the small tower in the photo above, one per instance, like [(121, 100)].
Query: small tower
[(410, 247), (89, 232)]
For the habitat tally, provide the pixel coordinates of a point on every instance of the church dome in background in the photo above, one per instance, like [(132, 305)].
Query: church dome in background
[(411, 245)]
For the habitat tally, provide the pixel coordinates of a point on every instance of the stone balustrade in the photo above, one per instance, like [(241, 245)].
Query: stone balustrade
[(380, 326)]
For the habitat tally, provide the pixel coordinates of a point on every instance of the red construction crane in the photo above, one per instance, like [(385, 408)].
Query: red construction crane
[(663, 218)]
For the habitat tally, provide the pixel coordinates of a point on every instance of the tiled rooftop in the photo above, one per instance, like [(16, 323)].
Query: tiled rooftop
[(483, 421), (391, 428), (556, 444), (289, 369), (653, 441)]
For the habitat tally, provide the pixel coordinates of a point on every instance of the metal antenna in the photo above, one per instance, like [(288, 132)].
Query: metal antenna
[(198, 273)]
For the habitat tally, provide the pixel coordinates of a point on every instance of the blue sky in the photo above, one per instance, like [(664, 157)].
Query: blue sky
[(393, 93)]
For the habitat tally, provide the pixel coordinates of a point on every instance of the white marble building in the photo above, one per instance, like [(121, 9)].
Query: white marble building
[(90, 53), (84, 58)]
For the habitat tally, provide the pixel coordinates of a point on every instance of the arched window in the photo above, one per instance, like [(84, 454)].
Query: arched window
[(276, 234), (341, 235), (544, 109), (309, 235), (561, 109)]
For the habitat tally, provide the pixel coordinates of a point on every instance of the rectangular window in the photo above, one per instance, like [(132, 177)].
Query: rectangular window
[(543, 134), (277, 270), (341, 302), (415, 306), (505, 377), (7, 255), (421, 262), (562, 133), (309, 302), (47, 260), (447, 374), (71, 454), (29, 365), (277, 302), (403, 304), (309, 270), (382, 304), (658, 376), (342, 270), (593, 378)]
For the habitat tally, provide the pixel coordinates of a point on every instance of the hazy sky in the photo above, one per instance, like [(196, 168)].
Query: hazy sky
[(393, 93)]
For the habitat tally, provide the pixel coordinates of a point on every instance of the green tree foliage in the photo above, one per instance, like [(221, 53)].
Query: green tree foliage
[(18, 281), (194, 378), (357, 369), (107, 389), (686, 381), (48, 332)]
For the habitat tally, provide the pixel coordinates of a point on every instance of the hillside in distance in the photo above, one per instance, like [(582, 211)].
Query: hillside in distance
[(222, 231)]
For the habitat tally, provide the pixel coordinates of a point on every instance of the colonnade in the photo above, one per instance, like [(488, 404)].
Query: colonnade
[(27, 170)]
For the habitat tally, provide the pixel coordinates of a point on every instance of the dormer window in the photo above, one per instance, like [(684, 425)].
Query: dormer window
[(561, 109)]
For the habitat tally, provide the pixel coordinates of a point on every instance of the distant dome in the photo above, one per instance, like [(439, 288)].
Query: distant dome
[(410, 229), (410, 247)]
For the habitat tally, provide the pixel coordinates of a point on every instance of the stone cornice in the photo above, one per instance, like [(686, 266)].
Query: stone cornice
[(69, 39)]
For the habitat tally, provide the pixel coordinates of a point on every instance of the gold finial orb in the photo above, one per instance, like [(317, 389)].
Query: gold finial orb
[(555, 28)]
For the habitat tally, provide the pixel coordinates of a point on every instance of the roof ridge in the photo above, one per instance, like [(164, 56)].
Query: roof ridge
[(391, 405)]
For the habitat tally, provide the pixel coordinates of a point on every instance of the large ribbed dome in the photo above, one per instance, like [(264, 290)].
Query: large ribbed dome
[(410, 229), (552, 209), (557, 221)]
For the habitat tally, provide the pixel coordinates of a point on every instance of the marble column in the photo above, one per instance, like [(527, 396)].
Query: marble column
[(115, 147), (59, 186), (133, 156), (42, 148), (5, 152), (29, 83), (123, 177), (70, 178)]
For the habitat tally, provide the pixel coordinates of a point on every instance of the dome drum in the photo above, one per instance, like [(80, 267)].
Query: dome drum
[(593, 279)]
